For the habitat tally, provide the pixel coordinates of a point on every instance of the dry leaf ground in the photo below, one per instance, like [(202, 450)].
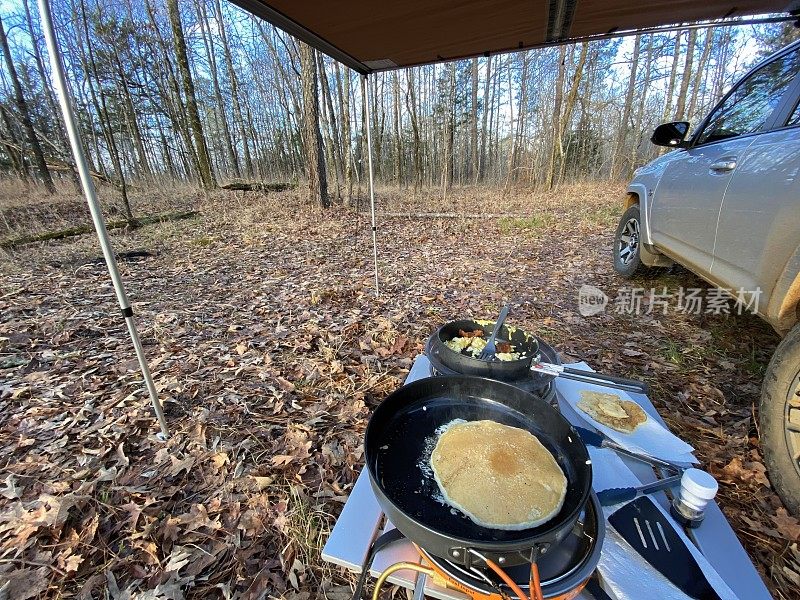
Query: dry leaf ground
[(270, 349)]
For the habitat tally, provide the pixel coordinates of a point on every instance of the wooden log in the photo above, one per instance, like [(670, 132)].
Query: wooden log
[(257, 186), (83, 229)]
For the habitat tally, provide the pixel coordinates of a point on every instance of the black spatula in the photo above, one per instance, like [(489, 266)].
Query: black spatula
[(651, 534)]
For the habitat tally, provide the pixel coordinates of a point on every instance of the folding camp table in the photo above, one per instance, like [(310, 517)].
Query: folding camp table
[(361, 521)]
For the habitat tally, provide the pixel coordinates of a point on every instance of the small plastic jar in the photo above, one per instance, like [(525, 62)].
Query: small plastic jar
[(697, 489)]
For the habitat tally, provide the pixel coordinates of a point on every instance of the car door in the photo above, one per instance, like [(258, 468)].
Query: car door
[(686, 203), (758, 228)]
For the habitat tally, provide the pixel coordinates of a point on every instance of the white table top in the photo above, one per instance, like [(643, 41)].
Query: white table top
[(361, 521)]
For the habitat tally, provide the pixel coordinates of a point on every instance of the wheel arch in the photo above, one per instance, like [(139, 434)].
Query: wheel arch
[(637, 195), (783, 308), (631, 199), (789, 310)]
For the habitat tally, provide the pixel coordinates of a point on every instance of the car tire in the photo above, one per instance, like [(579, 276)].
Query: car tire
[(626, 251), (779, 420)]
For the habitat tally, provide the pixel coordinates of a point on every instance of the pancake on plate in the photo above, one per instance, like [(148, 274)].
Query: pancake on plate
[(612, 411), (499, 476)]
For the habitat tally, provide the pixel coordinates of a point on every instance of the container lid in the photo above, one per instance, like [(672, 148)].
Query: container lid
[(699, 483)]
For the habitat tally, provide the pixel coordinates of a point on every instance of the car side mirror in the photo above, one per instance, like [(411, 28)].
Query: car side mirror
[(671, 135)]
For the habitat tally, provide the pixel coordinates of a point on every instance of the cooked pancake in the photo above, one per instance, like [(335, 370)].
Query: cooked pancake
[(499, 476), (612, 411)]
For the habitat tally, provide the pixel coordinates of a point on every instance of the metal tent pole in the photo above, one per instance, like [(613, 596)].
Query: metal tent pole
[(91, 198), (365, 99)]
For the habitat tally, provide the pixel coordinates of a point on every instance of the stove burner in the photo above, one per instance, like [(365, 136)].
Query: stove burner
[(564, 569), (533, 382)]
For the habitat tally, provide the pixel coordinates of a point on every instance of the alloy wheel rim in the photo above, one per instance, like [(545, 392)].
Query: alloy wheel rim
[(791, 422), (628, 243)]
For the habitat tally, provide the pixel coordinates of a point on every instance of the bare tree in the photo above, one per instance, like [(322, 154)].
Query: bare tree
[(619, 146), (24, 114), (204, 159), (312, 139), (680, 108)]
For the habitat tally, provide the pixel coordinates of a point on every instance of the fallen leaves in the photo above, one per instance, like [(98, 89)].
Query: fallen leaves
[(788, 525), (269, 350), (749, 471), (11, 490)]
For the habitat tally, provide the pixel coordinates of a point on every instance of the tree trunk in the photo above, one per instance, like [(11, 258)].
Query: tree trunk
[(723, 50), (171, 95), (51, 102), (676, 55), (481, 173), (101, 107), (343, 93), (569, 107), (473, 142), (556, 118), (329, 122), (24, 115), (637, 127), (700, 72), (619, 146), (203, 158), (312, 139), (687, 76), (234, 80), (398, 131), (208, 41), (411, 105), (13, 147), (133, 125), (449, 133)]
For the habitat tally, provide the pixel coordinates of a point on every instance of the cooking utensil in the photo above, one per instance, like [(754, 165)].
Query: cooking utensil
[(652, 535), (530, 360), (611, 381), (402, 434), (528, 381), (490, 350), (460, 362), (618, 495), (598, 440)]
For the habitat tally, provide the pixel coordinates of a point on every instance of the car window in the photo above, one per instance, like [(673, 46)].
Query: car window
[(747, 109), (794, 119)]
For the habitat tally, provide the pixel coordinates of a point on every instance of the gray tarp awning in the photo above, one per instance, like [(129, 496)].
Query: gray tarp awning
[(370, 35)]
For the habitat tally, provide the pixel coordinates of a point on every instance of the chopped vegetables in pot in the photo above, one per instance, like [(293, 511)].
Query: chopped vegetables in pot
[(472, 343)]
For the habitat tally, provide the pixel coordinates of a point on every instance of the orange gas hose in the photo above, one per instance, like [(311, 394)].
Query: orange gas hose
[(536, 584), (510, 582)]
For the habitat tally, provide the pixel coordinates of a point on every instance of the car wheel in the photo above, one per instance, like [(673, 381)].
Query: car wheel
[(627, 256), (779, 417)]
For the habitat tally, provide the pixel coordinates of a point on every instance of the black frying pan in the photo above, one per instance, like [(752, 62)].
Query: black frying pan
[(528, 347), (402, 434)]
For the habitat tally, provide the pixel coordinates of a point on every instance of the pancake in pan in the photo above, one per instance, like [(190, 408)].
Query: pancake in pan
[(501, 477)]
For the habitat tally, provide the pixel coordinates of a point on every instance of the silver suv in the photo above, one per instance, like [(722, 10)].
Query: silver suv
[(725, 204)]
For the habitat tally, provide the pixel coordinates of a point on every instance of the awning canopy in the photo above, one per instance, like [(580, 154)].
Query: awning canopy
[(370, 35)]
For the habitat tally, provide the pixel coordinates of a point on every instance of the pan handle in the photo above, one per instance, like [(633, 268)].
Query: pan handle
[(620, 383)]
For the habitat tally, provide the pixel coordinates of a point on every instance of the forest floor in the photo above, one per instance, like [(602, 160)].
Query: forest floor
[(270, 350)]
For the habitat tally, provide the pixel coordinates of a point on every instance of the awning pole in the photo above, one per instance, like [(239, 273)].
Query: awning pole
[(91, 198), (365, 99)]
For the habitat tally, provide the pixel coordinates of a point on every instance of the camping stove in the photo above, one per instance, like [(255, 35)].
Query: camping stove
[(532, 382), (564, 569)]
